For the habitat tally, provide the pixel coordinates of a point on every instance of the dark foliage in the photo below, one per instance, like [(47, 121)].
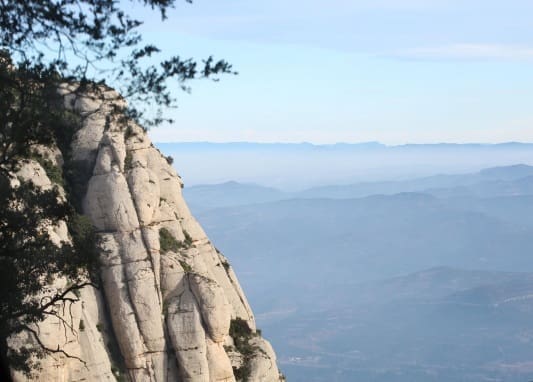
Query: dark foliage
[(29, 260), (167, 242), (188, 239), (242, 334), (43, 45), (186, 267), (54, 173), (79, 38), (29, 107)]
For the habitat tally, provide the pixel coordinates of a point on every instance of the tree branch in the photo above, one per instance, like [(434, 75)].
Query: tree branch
[(54, 351)]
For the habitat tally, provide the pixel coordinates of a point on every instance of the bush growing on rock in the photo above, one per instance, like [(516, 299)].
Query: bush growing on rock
[(242, 334), (167, 242)]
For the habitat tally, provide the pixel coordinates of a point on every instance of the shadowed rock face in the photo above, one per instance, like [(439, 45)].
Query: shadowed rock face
[(169, 307)]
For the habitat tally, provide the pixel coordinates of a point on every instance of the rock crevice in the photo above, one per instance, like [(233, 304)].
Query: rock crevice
[(169, 310)]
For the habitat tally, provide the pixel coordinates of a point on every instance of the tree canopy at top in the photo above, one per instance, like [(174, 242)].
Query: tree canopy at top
[(98, 42)]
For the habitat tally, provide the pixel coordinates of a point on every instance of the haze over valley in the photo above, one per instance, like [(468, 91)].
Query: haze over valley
[(297, 166), (266, 191), (421, 278)]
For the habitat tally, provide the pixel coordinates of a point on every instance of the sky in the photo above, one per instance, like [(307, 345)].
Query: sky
[(394, 71)]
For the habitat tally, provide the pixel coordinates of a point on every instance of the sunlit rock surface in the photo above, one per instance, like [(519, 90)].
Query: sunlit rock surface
[(161, 314)]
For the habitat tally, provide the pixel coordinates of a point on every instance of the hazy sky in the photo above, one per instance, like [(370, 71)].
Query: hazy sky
[(394, 71)]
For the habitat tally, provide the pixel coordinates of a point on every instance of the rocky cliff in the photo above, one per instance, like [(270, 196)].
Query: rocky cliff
[(170, 307)]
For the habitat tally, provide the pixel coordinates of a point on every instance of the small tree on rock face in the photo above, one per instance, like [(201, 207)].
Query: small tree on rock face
[(30, 110), (32, 113), (92, 45), (29, 261)]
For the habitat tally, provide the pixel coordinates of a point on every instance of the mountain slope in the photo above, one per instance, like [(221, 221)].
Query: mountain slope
[(438, 325), (170, 307), (495, 181), (229, 194), (488, 183)]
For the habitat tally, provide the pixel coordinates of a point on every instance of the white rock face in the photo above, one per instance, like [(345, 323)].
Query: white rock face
[(263, 365), (168, 298)]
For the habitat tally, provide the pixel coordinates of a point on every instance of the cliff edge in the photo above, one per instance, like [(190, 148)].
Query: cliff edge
[(170, 307)]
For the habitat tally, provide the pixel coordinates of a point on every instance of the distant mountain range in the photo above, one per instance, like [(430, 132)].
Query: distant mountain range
[(291, 166), (428, 279), (337, 146), (497, 181), (513, 180)]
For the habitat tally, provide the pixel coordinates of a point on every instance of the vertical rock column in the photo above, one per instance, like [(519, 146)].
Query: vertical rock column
[(170, 307), (127, 273)]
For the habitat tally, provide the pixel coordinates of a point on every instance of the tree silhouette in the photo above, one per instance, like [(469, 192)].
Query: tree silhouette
[(91, 45), (96, 42)]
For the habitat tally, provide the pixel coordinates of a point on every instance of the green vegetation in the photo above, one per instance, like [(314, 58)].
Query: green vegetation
[(67, 124), (228, 348), (24, 246), (128, 133), (82, 232), (226, 265), (128, 161), (186, 267), (29, 260), (167, 242), (188, 239), (77, 175), (45, 44), (54, 173), (242, 334)]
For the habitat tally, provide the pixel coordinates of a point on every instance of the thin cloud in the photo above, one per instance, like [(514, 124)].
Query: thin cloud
[(467, 51)]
